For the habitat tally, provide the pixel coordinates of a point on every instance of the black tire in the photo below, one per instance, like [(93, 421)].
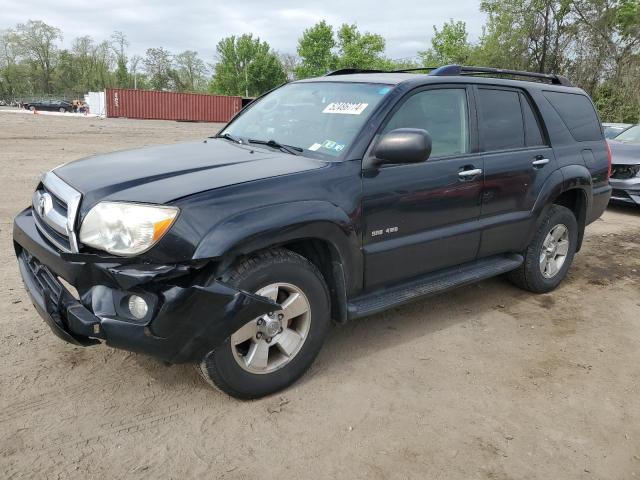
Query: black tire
[(62, 110), (220, 368), (529, 275)]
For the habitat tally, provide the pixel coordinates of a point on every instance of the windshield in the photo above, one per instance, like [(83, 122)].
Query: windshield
[(321, 118), (612, 132), (630, 136)]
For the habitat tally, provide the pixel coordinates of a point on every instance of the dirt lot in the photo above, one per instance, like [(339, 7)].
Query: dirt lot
[(486, 382)]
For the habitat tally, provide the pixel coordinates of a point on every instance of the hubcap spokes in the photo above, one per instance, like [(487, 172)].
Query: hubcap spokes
[(269, 342), (554, 251)]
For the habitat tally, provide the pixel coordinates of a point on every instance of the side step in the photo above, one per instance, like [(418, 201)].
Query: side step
[(431, 284)]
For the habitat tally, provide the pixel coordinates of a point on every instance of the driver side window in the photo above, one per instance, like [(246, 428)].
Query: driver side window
[(443, 113)]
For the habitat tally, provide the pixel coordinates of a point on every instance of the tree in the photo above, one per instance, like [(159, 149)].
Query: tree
[(359, 50), (36, 41), (190, 71), (449, 45), (315, 49), (119, 44), (246, 66), (321, 51), (14, 76), (289, 64), (158, 65), (134, 62)]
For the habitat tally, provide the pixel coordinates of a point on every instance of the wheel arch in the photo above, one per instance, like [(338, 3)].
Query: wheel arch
[(317, 230), (570, 187)]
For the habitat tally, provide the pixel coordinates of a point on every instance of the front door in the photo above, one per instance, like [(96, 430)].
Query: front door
[(423, 217)]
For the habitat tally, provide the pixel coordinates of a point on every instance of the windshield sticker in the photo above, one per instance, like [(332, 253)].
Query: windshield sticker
[(384, 90), (331, 145), (346, 108), (315, 147)]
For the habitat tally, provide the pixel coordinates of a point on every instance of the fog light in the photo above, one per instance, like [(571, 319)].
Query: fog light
[(138, 307)]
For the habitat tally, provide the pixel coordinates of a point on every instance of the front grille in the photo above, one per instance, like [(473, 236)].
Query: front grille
[(47, 282), (624, 172), (55, 205)]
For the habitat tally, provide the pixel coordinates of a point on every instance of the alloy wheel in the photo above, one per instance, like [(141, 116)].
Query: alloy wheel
[(269, 342), (554, 251)]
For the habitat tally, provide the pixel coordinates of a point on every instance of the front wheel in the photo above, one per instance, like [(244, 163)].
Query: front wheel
[(271, 352), (549, 256), (62, 110)]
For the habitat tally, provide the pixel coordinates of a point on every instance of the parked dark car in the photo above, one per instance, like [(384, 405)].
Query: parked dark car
[(625, 169), (50, 105), (612, 130), (328, 198)]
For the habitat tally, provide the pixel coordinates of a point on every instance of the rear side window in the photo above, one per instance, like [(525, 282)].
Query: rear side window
[(533, 135), (577, 113), (501, 124)]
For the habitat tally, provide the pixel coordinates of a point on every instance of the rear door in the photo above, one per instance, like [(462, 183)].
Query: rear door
[(517, 161)]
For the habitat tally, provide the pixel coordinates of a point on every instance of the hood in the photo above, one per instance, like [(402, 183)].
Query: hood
[(624, 153), (165, 173)]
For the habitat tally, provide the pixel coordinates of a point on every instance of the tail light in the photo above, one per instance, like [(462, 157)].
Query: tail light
[(608, 159)]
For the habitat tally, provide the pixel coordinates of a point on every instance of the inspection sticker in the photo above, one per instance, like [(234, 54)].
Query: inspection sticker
[(331, 145), (315, 147), (345, 108)]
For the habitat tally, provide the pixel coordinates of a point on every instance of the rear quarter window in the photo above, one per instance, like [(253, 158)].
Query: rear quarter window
[(577, 113)]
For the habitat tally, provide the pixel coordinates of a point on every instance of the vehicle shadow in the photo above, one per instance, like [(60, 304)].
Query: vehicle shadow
[(624, 208), (369, 335)]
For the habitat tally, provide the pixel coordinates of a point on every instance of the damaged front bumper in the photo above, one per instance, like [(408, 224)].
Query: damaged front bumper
[(184, 321), (626, 190)]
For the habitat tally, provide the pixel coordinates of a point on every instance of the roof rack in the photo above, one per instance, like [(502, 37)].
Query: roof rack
[(349, 71), (447, 70), (462, 70)]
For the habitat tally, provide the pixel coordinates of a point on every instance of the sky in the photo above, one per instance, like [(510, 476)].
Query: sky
[(179, 25)]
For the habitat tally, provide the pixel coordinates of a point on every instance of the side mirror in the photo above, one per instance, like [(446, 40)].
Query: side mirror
[(403, 145)]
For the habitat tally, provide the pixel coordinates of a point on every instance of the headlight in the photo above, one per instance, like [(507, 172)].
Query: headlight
[(126, 228)]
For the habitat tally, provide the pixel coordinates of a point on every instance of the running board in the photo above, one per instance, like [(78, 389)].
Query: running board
[(431, 284)]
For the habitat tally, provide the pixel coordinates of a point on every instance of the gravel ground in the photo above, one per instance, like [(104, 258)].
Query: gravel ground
[(485, 382)]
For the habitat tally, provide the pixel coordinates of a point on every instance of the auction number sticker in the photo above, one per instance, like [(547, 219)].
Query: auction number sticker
[(345, 108)]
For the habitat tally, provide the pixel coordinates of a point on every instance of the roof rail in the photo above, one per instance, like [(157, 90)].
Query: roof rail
[(447, 70), (462, 70), (349, 71)]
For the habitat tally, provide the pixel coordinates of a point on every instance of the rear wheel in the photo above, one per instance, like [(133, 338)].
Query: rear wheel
[(549, 256), (62, 110), (271, 352)]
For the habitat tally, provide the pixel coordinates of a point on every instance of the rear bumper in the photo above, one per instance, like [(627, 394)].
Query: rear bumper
[(601, 196), (626, 191), (185, 320)]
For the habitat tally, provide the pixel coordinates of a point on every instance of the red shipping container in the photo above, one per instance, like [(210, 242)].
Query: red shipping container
[(191, 107)]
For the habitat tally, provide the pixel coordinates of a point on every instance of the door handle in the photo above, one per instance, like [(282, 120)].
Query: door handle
[(464, 174), (539, 162)]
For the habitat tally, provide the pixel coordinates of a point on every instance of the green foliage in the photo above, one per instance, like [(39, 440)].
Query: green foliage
[(449, 45), (246, 66), (359, 50), (190, 72), (157, 63), (321, 51), (315, 49), (596, 43), (35, 40)]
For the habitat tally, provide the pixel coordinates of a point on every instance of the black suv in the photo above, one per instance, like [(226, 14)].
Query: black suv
[(327, 198)]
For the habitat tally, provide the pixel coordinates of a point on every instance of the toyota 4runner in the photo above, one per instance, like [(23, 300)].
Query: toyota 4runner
[(326, 199)]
